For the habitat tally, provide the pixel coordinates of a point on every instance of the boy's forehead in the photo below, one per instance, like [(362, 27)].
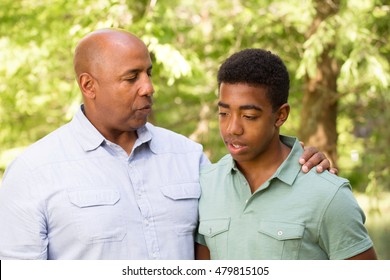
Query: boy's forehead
[(242, 95), (241, 88)]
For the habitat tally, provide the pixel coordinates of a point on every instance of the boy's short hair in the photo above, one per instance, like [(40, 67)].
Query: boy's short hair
[(257, 67)]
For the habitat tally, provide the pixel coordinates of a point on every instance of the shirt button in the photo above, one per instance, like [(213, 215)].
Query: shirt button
[(280, 232), (210, 230)]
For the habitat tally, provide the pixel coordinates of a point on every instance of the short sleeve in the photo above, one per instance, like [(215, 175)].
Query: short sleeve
[(24, 236), (342, 231), (199, 238)]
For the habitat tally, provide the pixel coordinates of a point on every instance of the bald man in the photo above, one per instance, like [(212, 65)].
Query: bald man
[(107, 185)]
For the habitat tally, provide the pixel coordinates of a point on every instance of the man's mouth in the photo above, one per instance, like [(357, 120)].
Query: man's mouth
[(146, 107)]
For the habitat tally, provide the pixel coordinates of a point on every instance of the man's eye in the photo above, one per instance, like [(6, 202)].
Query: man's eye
[(222, 114), (131, 79)]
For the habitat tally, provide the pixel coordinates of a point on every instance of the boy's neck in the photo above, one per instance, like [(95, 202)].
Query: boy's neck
[(259, 171)]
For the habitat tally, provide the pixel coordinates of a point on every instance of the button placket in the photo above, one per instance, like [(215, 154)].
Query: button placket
[(145, 211)]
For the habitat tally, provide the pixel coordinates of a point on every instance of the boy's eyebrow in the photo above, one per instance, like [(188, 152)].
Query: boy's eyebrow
[(250, 107), (242, 107)]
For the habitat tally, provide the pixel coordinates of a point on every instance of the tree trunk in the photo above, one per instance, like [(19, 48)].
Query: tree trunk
[(319, 108)]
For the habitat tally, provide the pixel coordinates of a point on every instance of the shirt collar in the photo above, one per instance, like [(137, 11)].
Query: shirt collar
[(90, 138), (288, 170), (145, 136), (86, 134)]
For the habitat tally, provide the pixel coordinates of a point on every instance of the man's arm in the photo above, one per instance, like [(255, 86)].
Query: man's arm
[(23, 232)]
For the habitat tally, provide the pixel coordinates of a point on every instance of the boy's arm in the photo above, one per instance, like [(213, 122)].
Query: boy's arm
[(201, 252), (367, 255)]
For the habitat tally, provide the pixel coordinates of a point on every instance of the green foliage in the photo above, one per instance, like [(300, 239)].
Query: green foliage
[(188, 40)]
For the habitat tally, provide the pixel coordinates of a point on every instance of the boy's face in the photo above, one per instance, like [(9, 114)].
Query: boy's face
[(246, 121)]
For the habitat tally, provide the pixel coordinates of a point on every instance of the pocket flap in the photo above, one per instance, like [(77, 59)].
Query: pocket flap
[(182, 191), (282, 230), (210, 228), (87, 198)]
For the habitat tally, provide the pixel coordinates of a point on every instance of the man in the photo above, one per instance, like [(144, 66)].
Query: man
[(107, 185), (256, 203)]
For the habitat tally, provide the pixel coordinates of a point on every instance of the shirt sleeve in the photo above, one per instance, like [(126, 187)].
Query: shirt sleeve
[(23, 234), (204, 160), (342, 233), (199, 238)]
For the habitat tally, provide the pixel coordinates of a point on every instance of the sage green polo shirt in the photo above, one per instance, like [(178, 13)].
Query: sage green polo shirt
[(291, 216)]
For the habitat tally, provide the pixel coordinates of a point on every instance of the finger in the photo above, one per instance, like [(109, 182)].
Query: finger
[(323, 165), (319, 169), (317, 160), (308, 152), (334, 171)]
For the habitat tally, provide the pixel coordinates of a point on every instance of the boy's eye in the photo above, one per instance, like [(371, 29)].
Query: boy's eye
[(250, 117)]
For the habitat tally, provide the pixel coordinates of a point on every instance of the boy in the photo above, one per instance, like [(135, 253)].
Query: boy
[(256, 203)]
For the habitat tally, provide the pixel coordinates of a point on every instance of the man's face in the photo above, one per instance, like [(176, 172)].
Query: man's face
[(124, 88), (246, 121)]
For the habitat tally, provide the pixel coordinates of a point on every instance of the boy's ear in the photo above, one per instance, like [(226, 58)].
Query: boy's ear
[(87, 85), (282, 114)]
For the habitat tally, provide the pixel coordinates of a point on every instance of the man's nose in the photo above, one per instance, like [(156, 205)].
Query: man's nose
[(146, 87)]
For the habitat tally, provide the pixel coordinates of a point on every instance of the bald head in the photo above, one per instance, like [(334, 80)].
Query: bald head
[(94, 51)]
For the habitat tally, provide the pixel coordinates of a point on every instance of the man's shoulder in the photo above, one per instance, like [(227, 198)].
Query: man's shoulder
[(167, 140), (46, 149), (223, 165)]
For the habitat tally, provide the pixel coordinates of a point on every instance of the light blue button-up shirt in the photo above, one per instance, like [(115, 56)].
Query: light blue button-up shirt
[(75, 195)]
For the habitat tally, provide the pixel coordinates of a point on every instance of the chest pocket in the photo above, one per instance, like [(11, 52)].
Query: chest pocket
[(215, 233), (280, 240), (182, 191), (181, 206), (97, 216)]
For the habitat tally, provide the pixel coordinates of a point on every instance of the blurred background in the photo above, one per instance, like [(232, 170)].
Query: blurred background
[(337, 53)]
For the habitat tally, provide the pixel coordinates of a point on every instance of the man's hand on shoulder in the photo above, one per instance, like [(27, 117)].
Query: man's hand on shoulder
[(313, 157)]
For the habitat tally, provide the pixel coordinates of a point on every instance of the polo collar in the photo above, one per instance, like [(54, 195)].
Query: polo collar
[(288, 170)]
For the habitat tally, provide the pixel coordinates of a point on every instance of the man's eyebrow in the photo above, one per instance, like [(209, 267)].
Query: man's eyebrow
[(137, 70), (242, 107), (221, 104)]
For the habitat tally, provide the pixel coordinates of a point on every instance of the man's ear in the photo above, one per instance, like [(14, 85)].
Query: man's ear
[(282, 114), (87, 85)]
